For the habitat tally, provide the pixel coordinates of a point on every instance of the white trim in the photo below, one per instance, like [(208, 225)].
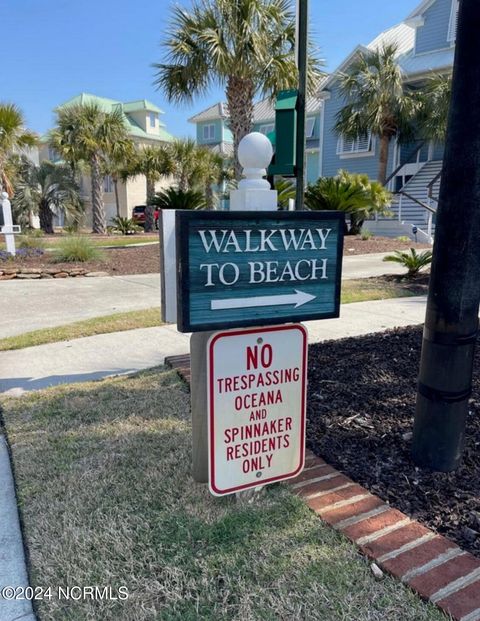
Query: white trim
[(208, 126), (453, 23), (355, 151), (321, 142), (312, 131), (420, 10)]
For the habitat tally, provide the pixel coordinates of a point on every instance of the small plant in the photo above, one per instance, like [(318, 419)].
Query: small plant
[(5, 256), (125, 226), (412, 260), (77, 249), (366, 235), (32, 240), (173, 198), (403, 238)]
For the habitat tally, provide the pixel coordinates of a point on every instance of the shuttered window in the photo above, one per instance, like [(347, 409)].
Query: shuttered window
[(452, 27), (362, 144)]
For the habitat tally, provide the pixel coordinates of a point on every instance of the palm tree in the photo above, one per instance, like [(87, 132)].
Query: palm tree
[(41, 188), (377, 102), (353, 194), (210, 171), (173, 198), (184, 154), (435, 97), (13, 137), (116, 163), (246, 46), (87, 133)]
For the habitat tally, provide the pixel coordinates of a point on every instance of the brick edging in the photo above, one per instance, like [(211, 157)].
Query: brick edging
[(432, 565)]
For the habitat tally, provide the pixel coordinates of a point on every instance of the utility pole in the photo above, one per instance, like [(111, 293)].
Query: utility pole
[(302, 61), (451, 324)]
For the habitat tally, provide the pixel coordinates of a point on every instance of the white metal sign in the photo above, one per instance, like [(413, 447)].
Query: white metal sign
[(256, 406)]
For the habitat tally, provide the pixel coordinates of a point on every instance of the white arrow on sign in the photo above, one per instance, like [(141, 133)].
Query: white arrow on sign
[(299, 298)]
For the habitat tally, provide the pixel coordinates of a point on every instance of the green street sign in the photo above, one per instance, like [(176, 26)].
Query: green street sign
[(240, 269)]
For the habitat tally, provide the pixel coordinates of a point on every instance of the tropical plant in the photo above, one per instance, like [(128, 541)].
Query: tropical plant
[(125, 226), (13, 137), (74, 249), (354, 194), (87, 133), (247, 47), (173, 198), (412, 260), (154, 163), (117, 164), (45, 190), (184, 154), (433, 115), (377, 102), (210, 171), (285, 191), (365, 234)]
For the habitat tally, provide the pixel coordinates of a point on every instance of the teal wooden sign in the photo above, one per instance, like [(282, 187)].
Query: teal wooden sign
[(239, 269)]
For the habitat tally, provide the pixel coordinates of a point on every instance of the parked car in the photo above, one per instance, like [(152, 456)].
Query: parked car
[(138, 215)]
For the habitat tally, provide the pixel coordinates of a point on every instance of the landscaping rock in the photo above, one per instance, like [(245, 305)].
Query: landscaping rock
[(28, 276), (46, 275), (30, 270), (7, 276), (96, 274), (10, 270), (377, 572), (61, 275)]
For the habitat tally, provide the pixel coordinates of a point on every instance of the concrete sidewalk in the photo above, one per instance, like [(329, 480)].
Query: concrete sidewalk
[(125, 352), (31, 305)]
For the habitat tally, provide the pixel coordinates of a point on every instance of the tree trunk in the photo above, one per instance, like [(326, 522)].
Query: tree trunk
[(149, 209), (355, 225), (240, 94), (117, 202), (98, 208), (46, 218), (209, 196), (383, 158)]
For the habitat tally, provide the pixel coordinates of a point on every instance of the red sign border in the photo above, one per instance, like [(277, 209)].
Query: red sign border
[(211, 410)]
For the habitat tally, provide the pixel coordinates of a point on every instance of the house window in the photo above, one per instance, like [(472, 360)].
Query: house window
[(309, 128), (266, 129), (209, 132), (153, 120), (355, 146), (107, 184), (52, 154), (453, 25)]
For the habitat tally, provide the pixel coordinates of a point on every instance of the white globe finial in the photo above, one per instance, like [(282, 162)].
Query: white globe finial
[(4, 195), (255, 153)]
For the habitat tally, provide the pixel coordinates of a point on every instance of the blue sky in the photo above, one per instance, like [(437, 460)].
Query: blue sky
[(55, 49)]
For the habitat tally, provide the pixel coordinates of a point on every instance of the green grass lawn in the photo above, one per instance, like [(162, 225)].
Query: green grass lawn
[(103, 478), (117, 322), (352, 291)]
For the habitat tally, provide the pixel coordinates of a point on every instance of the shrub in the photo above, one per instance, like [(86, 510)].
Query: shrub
[(171, 198), (412, 260), (77, 249), (125, 226), (404, 238), (357, 195), (366, 234), (31, 240)]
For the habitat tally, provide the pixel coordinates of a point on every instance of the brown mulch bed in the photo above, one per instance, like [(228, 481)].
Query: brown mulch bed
[(115, 261), (360, 416), (356, 245), (146, 259)]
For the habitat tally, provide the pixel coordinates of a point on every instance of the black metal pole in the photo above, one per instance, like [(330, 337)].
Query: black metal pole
[(451, 323), (302, 50)]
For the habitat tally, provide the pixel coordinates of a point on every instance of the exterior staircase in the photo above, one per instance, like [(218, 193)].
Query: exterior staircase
[(407, 210), (410, 217)]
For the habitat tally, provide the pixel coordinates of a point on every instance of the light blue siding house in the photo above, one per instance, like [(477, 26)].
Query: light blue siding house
[(212, 130), (426, 46)]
